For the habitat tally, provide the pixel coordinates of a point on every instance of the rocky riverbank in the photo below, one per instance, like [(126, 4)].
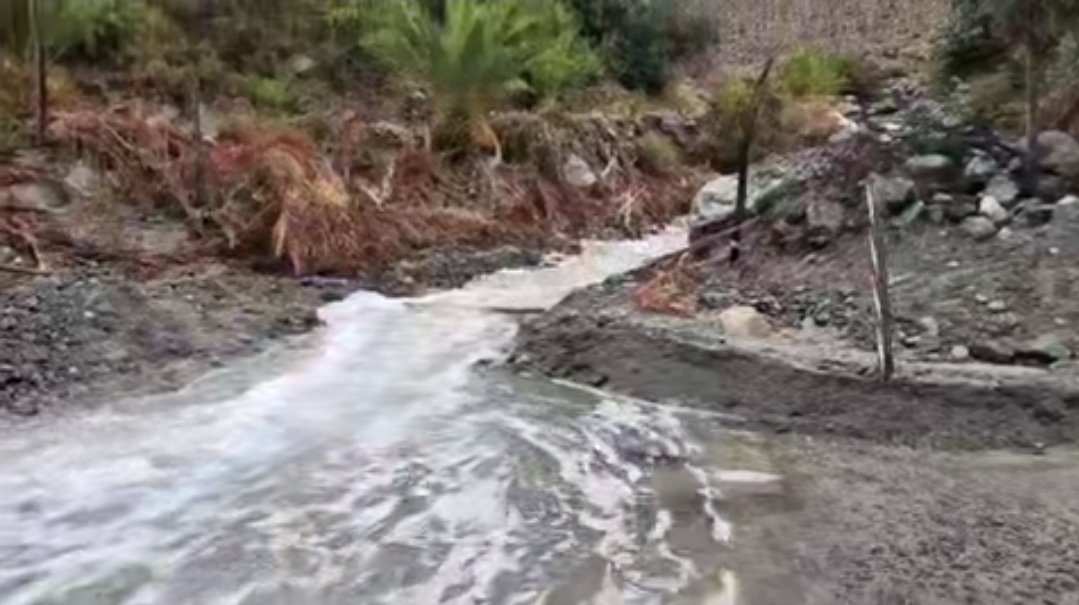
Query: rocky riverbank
[(982, 280)]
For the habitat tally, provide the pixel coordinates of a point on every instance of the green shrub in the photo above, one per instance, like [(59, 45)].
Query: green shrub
[(274, 94), (812, 73), (93, 30), (725, 122), (633, 36), (657, 155)]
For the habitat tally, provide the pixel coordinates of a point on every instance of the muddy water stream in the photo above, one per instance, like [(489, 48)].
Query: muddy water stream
[(383, 459)]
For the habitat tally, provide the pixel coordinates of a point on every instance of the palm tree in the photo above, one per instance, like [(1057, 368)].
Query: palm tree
[(472, 54)]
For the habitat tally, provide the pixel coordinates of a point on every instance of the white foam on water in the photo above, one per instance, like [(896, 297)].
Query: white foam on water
[(375, 466)]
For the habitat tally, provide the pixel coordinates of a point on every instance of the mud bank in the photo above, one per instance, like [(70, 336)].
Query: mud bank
[(596, 337)]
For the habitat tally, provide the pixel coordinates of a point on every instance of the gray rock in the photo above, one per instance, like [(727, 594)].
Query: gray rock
[(960, 353), (930, 325), (578, 173), (83, 180), (1068, 200), (1058, 152), (990, 208), (717, 198), (960, 207), (997, 306), (1036, 213), (992, 352), (980, 169), (935, 169), (1046, 349), (1003, 189), (979, 227), (895, 192), (1051, 187), (46, 196)]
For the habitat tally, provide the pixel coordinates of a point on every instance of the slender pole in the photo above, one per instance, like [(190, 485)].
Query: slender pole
[(881, 297), (41, 96)]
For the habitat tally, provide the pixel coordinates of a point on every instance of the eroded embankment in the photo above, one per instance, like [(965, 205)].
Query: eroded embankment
[(786, 384)]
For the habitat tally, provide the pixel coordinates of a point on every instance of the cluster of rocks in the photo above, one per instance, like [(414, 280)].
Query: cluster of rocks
[(980, 194), (925, 164)]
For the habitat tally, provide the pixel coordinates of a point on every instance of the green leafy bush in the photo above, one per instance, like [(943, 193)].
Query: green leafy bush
[(814, 73), (93, 30), (633, 37), (274, 94)]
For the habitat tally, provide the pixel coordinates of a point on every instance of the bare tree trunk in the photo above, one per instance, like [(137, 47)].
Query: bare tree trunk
[(881, 297), (41, 88), (195, 102), (1033, 81), (745, 151)]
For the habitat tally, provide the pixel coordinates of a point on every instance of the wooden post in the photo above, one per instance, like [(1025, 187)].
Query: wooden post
[(881, 298), (41, 96)]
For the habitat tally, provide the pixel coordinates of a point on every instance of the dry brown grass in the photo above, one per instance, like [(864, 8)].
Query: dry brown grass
[(270, 191), (672, 288)]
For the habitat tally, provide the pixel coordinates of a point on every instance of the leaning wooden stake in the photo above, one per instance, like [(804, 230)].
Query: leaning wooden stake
[(882, 299), (41, 96)]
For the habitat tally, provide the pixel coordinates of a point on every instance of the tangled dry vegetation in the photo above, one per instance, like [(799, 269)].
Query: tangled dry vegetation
[(370, 194)]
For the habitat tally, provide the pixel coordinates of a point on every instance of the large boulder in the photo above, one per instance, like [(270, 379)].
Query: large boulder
[(716, 200), (1058, 152)]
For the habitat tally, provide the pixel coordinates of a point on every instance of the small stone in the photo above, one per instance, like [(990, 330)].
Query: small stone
[(933, 168), (1060, 321), (1005, 234), (997, 306), (930, 325), (990, 208), (894, 192), (981, 298), (960, 353), (960, 207), (980, 169), (979, 228), (1054, 251), (952, 264), (577, 173), (1068, 200), (1003, 189)]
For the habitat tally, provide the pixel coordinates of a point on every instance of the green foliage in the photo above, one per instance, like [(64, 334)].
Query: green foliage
[(482, 52), (634, 37), (657, 155), (274, 94), (91, 30), (727, 122), (815, 73)]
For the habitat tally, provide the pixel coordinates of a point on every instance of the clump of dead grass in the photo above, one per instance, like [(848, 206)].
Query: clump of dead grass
[(672, 288)]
